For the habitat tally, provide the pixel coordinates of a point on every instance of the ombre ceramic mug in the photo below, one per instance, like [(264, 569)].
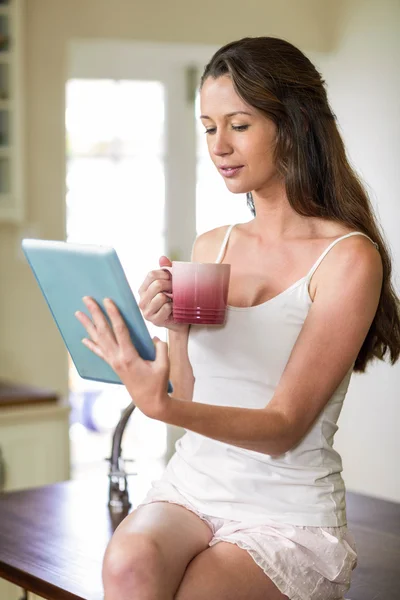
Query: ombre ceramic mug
[(199, 292)]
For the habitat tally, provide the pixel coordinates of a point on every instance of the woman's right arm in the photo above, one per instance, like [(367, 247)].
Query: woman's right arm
[(157, 309), (181, 373)]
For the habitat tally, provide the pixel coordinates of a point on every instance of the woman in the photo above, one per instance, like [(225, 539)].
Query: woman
[(252, 504)]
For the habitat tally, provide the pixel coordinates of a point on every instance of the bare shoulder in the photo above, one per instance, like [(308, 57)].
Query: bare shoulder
[(206, 246), (359, 253), (354, 259)]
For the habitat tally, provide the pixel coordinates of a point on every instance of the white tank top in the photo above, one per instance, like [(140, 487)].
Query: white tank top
[(240, 364)]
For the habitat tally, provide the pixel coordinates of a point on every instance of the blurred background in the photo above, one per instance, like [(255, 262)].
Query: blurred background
[(101, 143)]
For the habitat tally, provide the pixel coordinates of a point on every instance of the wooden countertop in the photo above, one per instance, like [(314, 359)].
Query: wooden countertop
[(53, 540)]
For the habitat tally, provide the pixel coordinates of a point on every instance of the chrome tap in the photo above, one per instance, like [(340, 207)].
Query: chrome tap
[(118, 490)]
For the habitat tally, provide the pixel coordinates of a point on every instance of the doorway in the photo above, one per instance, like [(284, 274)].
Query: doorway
[(139, 179)]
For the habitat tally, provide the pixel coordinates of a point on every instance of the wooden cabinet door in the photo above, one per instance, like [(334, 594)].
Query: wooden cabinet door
[(8, 591), (34, 446)]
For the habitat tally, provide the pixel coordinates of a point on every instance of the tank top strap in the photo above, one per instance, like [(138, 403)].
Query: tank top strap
[(224, 243), (325, 252)]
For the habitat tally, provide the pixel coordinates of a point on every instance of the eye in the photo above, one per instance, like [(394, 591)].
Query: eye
[(212, 130)]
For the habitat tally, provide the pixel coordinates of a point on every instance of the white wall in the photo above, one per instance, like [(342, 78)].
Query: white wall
[(31, 349), (363, 79), (359, 39)]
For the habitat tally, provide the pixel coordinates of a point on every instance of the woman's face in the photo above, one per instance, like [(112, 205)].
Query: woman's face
[(238, 136)]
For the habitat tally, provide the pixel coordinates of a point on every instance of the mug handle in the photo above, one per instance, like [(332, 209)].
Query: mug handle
[(169, 269)]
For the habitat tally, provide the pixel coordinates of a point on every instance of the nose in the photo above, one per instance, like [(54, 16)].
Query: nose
[(220, 145)]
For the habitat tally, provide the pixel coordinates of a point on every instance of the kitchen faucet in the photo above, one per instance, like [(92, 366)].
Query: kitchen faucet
[(118, 500)]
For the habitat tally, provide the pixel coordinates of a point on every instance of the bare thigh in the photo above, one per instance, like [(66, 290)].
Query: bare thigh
[(160, 539)]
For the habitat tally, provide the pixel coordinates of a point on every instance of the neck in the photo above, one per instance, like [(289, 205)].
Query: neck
[(275, 219)]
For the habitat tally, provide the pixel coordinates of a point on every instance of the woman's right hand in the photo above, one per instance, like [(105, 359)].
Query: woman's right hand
[(154, 304)]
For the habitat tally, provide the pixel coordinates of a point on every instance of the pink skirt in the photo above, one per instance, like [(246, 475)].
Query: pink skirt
[(305, 563)]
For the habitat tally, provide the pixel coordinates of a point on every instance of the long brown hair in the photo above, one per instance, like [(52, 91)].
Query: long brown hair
[(276, 78)]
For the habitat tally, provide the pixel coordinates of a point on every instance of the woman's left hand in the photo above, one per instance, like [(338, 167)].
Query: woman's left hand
[(145, 380)]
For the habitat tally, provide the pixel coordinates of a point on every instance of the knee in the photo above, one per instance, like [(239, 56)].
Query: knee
[(130, 566)]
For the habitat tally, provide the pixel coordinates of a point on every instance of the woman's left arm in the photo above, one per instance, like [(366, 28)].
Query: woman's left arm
[(343, 309)]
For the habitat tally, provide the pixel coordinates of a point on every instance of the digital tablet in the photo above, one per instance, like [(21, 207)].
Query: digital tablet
[(68, 271)]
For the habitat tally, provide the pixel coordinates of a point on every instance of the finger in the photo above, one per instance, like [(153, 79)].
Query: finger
[(157, 286), (161, 352), (120, 329), (87, 324), (152, 276), (164, 261), (157, 304), (162, 317), (101, 324), (93, 347)]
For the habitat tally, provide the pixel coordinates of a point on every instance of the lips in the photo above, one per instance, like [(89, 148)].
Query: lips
[(230, 166), (229, 171)]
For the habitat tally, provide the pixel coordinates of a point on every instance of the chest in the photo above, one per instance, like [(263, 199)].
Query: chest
[(254, 282), (254, 343)]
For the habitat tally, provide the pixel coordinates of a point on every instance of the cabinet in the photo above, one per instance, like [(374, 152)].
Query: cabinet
[(11, 111), (34, 447)]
